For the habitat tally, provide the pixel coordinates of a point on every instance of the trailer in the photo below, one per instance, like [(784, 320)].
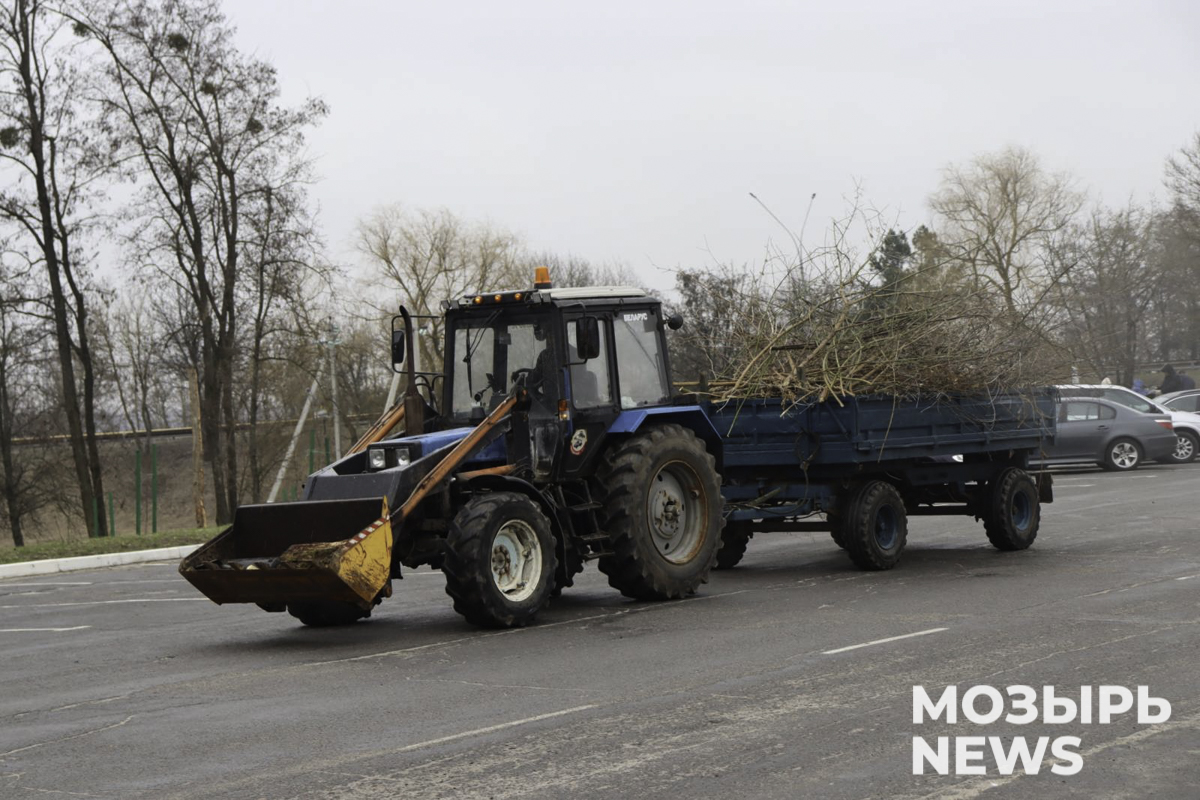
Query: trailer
[(553, 436)]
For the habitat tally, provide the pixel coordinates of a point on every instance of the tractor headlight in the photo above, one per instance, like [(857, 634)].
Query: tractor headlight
[(403, 459), (377, 458)]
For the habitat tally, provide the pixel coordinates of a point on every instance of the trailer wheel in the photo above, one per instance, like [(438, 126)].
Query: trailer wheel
[(734, 540), (835, 528), (1014, 512), (875, 526), (662, 513), (500, 560), (326, 613)]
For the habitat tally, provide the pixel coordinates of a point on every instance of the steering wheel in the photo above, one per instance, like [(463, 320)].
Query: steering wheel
[(527, 373)]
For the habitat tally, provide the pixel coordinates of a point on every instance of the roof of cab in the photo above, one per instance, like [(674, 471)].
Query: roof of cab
[(591, 292)]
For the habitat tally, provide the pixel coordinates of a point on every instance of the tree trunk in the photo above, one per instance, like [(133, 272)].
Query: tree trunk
[(11, 500), (230, 417), (197, 451), (210, 417), (87, 475)]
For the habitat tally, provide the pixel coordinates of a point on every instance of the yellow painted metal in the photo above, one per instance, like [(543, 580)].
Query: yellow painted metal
[(274, 555), (363, 562)]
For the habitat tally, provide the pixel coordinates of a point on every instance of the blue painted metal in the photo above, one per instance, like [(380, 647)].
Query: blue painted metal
[(693, 417), (768, 433), (430, 442)]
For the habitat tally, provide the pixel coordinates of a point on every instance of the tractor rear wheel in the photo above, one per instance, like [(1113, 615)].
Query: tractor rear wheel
[(662, 513), (500, 560)]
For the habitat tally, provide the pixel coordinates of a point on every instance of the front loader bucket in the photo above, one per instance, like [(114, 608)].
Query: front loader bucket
[(276, 554)]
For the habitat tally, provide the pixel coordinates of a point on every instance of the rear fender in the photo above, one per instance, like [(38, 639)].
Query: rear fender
[(691, 417)]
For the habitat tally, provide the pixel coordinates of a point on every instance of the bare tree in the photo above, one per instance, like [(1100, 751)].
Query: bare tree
[(1179, 302), (53, 156), (1110, 280), (1183, 175), (997, 214), (434, 256), (204, 125), (572, 270), (284, 274)]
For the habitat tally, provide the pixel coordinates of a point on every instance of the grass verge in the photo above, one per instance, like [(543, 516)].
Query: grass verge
[(114, 544)]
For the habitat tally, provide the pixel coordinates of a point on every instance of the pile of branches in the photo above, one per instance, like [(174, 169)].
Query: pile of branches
[(815, 340)]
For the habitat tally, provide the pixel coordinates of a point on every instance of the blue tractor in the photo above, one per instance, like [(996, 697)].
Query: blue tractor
[(554, 436)]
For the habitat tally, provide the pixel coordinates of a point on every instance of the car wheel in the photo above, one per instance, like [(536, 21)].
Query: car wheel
[(1122, 455), (1186, 446)]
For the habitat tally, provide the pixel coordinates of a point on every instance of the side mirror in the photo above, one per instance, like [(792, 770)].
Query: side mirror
[(587, 337), (674, 322), (397, 347)]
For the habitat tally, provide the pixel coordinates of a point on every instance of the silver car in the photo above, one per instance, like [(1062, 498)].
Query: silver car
[(1096, 431), (1183, 400)]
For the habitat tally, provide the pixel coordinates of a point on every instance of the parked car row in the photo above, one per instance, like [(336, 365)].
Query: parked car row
[(1120, 429)]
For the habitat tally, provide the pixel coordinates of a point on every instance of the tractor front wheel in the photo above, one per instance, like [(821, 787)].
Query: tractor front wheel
[(326, 613), (500, 560)]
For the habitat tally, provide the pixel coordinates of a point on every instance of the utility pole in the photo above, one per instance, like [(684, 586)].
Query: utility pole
[(291, 448)]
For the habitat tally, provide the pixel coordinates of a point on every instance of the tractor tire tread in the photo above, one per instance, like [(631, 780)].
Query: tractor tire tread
[(464, 544), (621, 476)]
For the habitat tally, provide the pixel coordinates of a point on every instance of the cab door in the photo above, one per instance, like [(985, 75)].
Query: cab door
[(591, 394)]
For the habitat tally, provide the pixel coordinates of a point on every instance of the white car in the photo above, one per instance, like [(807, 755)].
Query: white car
[(1187, 424)]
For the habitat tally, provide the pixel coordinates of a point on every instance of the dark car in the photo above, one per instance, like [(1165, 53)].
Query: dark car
[(1096, 431), (1186, 423)]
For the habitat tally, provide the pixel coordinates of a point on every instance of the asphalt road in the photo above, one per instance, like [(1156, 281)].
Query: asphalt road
[(772, 682)]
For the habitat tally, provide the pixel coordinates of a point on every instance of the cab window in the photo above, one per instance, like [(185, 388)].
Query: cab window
[(590, 385), (641, 369)]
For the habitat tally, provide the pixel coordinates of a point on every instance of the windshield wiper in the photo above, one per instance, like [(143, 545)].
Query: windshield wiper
[(473, 345)]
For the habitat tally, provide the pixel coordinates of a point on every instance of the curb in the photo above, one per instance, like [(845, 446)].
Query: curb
[(51, 566)]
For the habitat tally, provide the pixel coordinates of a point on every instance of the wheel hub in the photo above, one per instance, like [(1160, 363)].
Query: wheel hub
[(668, 513), (516, 560), (1125, 455), (675, 513)]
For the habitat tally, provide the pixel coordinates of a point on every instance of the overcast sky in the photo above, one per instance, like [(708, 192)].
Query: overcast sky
[(633, 131)]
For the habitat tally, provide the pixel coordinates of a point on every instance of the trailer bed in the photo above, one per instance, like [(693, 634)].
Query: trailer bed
[(767, 433)]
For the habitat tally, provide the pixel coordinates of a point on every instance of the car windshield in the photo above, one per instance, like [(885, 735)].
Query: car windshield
[(487, 355)]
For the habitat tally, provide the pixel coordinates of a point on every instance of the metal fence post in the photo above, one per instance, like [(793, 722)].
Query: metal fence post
[(137, 490), (154, 489), (112, 516)]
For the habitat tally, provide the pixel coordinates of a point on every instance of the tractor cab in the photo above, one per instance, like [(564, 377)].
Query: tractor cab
[(584, 356)]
